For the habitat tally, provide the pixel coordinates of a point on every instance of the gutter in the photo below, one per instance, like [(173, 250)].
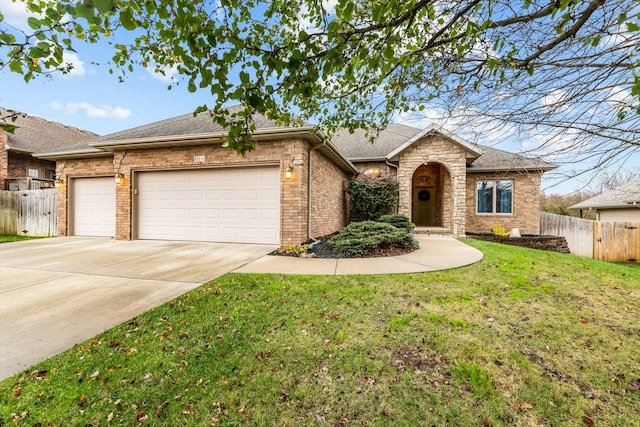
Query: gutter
[(201, 138)]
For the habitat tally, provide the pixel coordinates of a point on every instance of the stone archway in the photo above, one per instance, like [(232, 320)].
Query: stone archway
[(431, 196)]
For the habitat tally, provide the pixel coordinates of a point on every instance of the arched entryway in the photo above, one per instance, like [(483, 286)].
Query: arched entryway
[(431, 190)]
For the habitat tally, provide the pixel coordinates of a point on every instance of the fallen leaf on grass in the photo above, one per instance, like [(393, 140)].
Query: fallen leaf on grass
[(17, 392), (525, 405), (587, 421), (142, 416)]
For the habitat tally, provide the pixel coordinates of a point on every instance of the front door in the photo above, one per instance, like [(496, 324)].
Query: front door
[(424, 210)]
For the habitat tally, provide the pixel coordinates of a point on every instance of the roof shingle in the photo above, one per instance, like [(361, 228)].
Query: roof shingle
[(34, 134), (621, 197)]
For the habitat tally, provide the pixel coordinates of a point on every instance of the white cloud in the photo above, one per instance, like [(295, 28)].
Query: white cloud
[(553, 98), (76, 63), (16, 14), (165, 75), (91, 111)]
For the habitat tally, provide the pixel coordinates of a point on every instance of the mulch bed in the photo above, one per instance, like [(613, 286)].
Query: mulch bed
[(323, 250)]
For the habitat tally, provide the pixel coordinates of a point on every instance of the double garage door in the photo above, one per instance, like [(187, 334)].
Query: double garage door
[(236, 205)]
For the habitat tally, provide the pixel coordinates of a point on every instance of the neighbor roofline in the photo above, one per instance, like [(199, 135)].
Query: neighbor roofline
[(431, 129), (8, 147)]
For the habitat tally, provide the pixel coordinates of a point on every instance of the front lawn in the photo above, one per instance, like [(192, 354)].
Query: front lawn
[(523, 338), (4, 239)]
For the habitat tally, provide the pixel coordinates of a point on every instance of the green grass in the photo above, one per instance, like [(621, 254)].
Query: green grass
[(5, 239), (523, 338)]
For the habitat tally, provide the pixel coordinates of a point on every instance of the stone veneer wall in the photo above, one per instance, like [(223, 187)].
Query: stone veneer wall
[(328, 198), (293, 197), (452, 157), (526, 203)]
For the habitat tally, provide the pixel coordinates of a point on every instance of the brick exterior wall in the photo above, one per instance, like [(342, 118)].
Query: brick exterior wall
[(328, 198), (441, 151), (19, 165), (526, 203), (285, 153)]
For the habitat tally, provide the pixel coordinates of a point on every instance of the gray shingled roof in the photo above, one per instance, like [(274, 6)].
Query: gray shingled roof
[(356, 147), (498, 160), (187, 124), (34, 134), (621, 197)]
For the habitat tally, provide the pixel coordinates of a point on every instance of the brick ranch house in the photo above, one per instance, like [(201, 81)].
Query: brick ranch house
[(19, 169), (173, 180)]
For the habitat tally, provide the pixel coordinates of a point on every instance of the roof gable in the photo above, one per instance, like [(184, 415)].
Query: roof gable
[(433, 129)]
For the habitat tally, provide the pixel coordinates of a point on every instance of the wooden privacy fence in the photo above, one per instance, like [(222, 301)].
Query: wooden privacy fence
[(604, 240), (577, 231), (617, 241), (29, 212)]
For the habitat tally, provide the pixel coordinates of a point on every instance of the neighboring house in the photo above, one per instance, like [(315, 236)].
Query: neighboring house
[(621, 204), (175, 181), (19, 169)]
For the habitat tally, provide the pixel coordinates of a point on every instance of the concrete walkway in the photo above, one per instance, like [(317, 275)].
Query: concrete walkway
[(435, 253)]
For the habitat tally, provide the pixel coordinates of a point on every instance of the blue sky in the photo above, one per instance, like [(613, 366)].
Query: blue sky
[(91, 98)]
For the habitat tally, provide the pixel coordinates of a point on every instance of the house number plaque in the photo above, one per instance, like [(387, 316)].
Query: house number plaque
[(198, 159)]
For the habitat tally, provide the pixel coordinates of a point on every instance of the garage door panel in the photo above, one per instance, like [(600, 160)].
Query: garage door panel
[(94, 207), (225, 205)]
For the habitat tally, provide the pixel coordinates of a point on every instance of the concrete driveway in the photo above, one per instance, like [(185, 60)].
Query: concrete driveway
[(55, 293)]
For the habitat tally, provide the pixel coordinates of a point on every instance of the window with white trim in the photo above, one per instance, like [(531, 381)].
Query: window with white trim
[(495, 197)]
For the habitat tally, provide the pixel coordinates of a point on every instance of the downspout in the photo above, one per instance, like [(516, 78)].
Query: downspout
[(309, 173), (396, 168)]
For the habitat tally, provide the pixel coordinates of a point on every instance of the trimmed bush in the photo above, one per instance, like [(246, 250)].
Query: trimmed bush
[(398, 221), (364, 238), (372, 196)]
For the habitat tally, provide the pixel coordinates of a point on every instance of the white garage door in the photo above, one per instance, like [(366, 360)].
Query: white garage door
[(240, 205), (94, 207)]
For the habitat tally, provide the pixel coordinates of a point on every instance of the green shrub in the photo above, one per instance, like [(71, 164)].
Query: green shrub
[(364, 238), (398, 221), (372, 196)]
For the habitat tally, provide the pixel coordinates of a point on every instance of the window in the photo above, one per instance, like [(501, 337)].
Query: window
[(495, 197), (34, 173), (372, 172)]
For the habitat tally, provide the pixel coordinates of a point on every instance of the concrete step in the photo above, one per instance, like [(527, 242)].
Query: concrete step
[(432, 231)]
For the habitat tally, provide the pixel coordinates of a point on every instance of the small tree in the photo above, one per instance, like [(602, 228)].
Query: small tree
[(372, 196)]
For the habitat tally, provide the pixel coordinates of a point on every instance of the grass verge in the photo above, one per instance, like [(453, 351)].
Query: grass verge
[(523, 338), (5, 239)]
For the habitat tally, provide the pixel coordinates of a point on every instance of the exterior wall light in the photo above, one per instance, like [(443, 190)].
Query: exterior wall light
[(288, 173), (118, 178), (57, 183)]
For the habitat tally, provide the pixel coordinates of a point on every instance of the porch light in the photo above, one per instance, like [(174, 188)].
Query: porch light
[(288, 173), (57, 183), (118, 178)]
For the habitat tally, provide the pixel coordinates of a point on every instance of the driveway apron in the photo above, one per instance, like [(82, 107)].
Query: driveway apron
[(55, 293)]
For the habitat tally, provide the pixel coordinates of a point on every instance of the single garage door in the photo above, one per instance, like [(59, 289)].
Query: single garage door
[(94, 207), (238, 205)]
